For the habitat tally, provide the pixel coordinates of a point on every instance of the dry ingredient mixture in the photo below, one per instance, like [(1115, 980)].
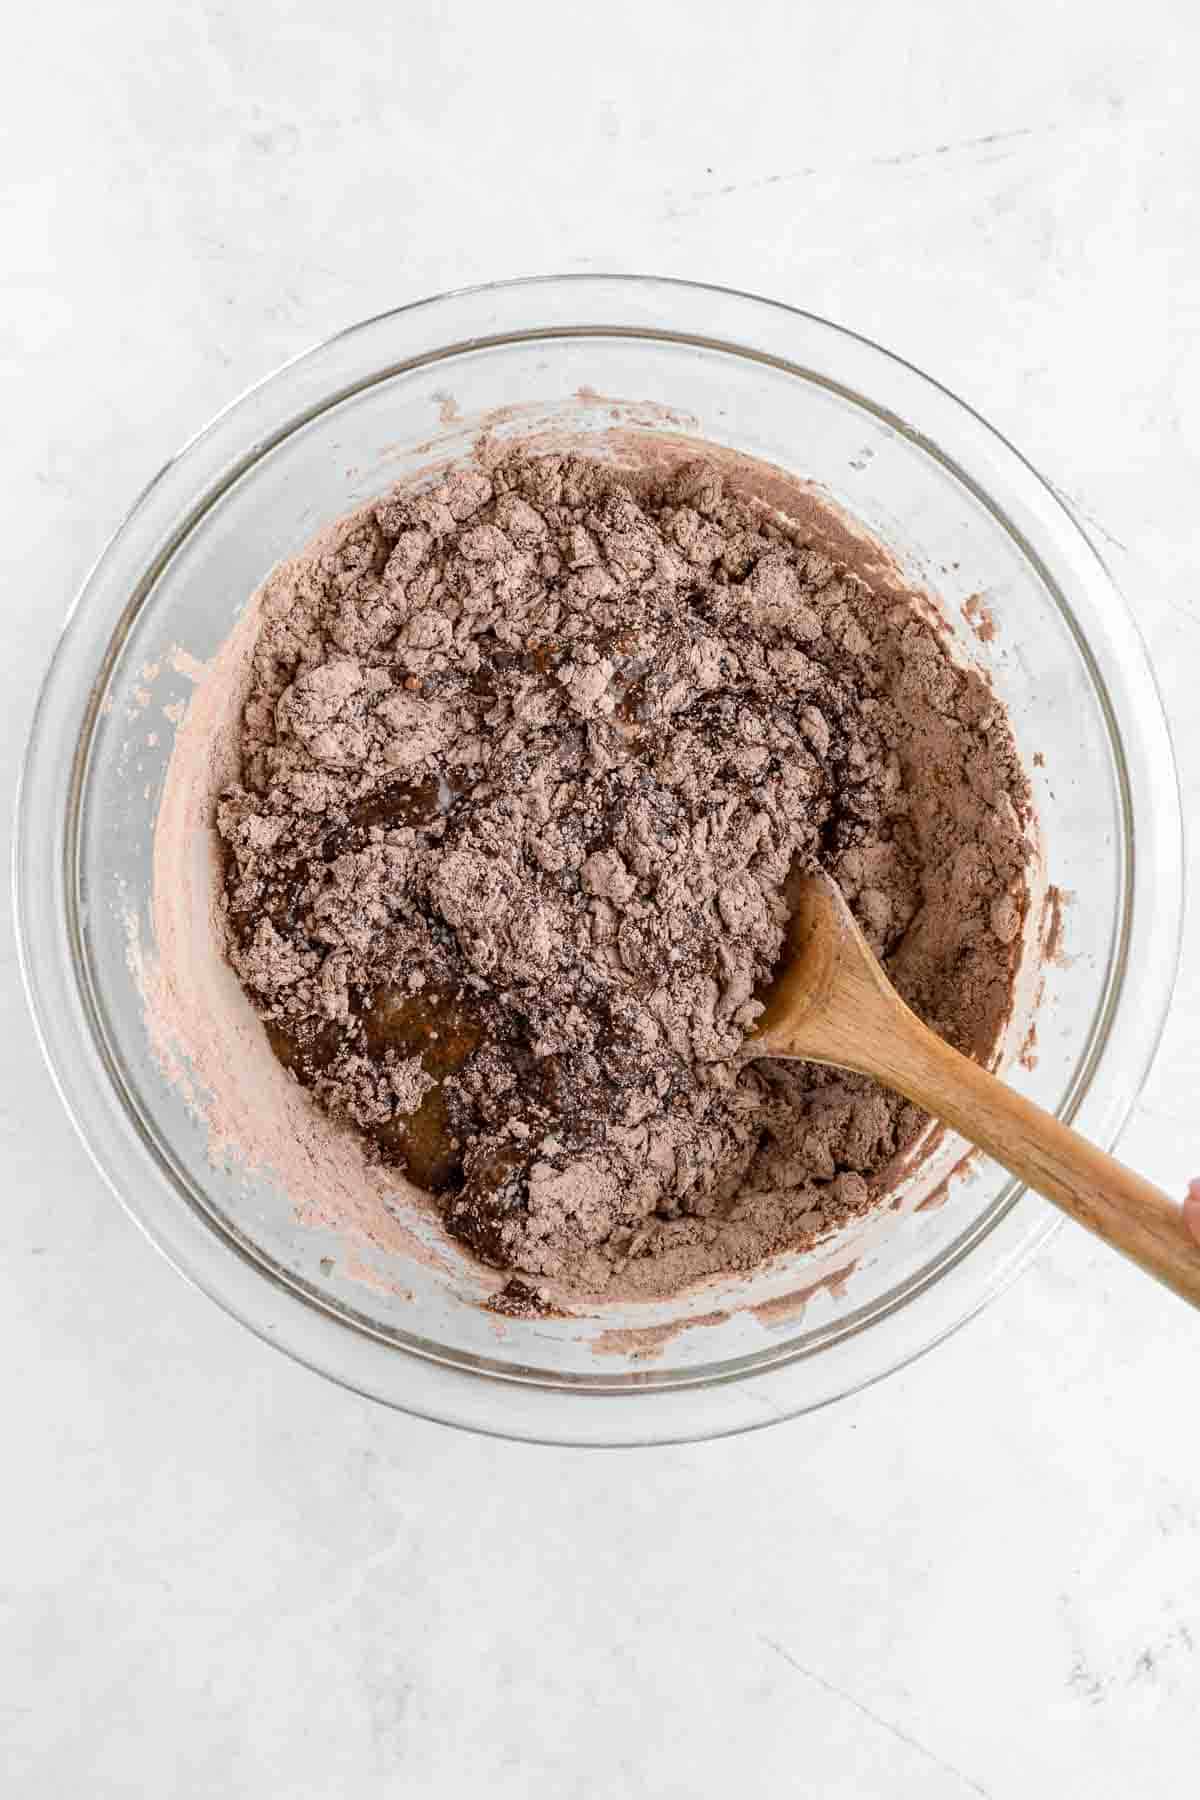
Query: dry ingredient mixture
[(525, 760)]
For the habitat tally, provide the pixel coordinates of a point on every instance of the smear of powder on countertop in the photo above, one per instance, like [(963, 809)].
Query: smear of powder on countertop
[(623, 707)]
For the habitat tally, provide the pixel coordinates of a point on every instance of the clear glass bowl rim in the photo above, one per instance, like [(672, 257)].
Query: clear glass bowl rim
[(50, 784)]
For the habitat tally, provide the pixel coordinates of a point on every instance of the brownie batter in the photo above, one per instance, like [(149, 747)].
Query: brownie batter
[(525, 761)]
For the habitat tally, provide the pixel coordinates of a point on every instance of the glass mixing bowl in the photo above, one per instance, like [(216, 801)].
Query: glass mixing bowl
[(961, 510)]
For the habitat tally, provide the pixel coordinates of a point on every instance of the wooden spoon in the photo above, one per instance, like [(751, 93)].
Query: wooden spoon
[(832, 1003)]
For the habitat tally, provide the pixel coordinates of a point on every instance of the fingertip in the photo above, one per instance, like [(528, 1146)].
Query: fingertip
[(1191, 1209)]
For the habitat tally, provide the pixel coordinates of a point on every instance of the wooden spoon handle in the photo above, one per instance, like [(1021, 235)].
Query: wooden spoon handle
[(1129, 1213)]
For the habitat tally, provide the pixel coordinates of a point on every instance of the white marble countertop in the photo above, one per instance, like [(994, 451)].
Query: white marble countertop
[(223, 1576)]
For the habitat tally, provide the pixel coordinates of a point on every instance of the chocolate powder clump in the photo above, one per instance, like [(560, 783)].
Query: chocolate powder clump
[(526, 759)]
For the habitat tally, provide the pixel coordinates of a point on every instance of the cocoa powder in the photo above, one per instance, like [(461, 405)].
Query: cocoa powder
[(525, 761)]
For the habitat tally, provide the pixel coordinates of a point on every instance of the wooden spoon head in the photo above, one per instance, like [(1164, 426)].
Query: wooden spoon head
[(832, 1003), (826, 980)]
